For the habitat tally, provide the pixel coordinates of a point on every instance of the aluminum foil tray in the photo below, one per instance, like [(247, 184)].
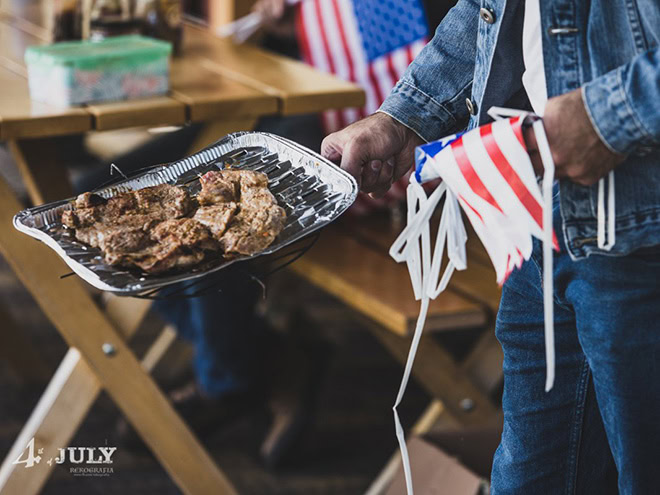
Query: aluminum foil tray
[(312, 190)]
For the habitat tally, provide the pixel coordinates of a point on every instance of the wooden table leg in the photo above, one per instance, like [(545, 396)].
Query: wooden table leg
[(40, 164), (84, 326), (65, 404), (439, 374)]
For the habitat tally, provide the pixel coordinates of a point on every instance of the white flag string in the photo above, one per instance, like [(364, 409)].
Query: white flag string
[(493, 181)]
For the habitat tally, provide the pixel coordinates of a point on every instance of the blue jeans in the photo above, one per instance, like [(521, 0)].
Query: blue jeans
[(226, 336), (603, 415)]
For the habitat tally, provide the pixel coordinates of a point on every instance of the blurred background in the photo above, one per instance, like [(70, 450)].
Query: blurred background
[(288, 382)]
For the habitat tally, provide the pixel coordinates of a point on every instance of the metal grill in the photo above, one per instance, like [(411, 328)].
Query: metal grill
[(312, 191)]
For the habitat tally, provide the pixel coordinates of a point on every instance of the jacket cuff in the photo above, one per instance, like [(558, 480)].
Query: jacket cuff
[(613, 115), (418, 111)]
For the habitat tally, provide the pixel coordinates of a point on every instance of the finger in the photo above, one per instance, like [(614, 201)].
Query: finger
[(332, 147), (385, 180), (537, 163), (355, 155), (370, 174), (530, 139), (278, 10)]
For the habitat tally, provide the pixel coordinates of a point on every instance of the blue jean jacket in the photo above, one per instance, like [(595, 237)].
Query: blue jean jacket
[(608, 48)]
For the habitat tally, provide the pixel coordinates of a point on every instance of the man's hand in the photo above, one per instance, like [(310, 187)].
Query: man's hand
[(578, 152), (271, 10), (376, 151)]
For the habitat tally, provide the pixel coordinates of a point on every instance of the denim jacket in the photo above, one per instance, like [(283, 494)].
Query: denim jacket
[(608, 48)]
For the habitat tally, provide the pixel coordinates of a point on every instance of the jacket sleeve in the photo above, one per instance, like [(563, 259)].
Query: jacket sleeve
[(430, 97), (624, 104)]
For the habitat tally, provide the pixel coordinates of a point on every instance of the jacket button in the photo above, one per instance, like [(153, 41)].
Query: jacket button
[(472, 107), (487, 15)]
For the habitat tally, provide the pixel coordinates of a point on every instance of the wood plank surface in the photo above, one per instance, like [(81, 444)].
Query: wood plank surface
[(36, 13), (22, 117), (210, 95), (299, 87), (438, 373), (477, 282), (157, 111), (70, 308), (379, 288)]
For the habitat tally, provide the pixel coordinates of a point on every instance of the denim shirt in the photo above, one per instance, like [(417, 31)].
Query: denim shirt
[(608, 48)]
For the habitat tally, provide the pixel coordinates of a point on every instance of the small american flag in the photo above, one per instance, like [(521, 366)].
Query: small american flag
[(490, 173), (369, 42)]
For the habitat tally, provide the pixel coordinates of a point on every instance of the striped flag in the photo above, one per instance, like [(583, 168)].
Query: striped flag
[(489, 171), (369, 42)]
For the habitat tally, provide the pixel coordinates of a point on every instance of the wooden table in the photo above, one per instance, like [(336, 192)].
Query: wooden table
[(228, 87), (351, 262)]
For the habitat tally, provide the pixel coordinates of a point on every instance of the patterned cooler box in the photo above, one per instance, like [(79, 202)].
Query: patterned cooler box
[(119, 68)]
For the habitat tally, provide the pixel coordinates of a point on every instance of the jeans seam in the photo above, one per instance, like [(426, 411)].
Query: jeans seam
[(554, 296), (576, 432)]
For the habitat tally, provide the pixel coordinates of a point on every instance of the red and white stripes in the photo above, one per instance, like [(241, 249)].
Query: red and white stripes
[(330, 41)]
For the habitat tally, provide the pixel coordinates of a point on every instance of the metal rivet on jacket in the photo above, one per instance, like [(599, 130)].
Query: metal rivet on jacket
[(471, 106), (487, 15)]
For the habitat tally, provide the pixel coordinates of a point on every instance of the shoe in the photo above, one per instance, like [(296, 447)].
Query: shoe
[(204, 415)]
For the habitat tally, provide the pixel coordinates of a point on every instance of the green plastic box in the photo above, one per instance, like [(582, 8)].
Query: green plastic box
[(118, 68)]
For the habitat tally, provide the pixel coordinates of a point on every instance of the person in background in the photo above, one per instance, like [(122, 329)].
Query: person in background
[(592, 70), (310, 30)]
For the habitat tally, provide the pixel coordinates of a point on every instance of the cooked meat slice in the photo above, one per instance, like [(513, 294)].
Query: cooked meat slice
[(69, 219), (221, 186), (247, 178), (90, 209), (253, 230), (218, 187), (163, 257), (85, 200), (163, 200), (184, 232), (118, 240), (151, 228), (216, 218)]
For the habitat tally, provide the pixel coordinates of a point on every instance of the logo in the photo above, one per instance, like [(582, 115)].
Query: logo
[(85, 461)]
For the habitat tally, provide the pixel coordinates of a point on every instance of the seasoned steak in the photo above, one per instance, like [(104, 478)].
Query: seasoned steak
[(253, 231), (216, 218), (164, 201), (158, 229), (161, 202), (218, 187), (185, 233), (222, 186)]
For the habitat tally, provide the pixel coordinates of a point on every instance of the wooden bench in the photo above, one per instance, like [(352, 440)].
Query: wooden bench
[(351, 262)]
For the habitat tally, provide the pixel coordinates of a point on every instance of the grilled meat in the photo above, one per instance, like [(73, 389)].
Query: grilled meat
[(216, 218), (184, 233), (218, 187), (164, 200), (253, 230), (152, 228), (161, 202)]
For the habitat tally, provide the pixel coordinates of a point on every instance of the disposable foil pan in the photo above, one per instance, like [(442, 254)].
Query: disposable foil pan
[(312, 190)]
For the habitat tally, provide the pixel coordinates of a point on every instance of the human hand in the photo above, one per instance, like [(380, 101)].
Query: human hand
[(376, 151), (271, 10), (576, 148)]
